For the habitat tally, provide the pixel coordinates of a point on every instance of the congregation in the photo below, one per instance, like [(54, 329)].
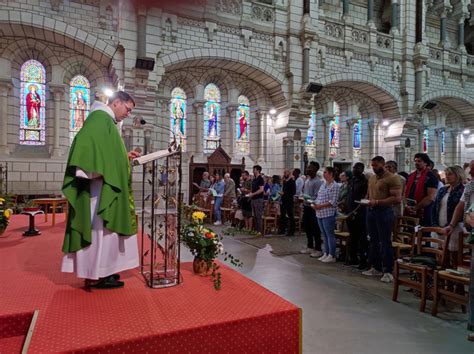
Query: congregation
[(368, 202)]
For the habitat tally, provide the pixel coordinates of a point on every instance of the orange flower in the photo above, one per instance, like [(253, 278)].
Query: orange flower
[(209, 235)]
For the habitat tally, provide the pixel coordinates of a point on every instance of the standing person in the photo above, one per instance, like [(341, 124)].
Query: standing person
[(267, 187), (344, 177), (356, 222), (276, 189), (392, 167), (445, 203), (219, 187), (101, 229), (257, 197), (299, 181), (422, 186), (229, 187), (310, 223), (245, 201), (287, 204), (326, 207), (384, 191)]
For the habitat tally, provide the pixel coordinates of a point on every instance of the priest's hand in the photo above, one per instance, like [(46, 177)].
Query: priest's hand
[(134, 154)]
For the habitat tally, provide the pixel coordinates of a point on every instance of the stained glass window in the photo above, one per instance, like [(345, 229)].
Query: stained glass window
[(242, 125), (178, 116), (426, 140), (32, 106), (310, 144), (79, 104), (357, 135), (334, 131), (212, 124)]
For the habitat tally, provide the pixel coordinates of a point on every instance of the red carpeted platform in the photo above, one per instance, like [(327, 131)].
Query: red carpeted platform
[(192, 317)]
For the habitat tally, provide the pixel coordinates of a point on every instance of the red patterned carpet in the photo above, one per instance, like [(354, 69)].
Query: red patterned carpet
[(243, 317)]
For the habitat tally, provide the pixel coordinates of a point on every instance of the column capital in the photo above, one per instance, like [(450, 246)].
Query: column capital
[(57, 89), (5, 86), (351, 121), (198, 104)]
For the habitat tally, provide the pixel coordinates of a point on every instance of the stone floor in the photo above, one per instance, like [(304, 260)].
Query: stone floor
[(345, 312)]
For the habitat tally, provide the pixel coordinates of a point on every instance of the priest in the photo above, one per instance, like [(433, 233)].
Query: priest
[(100, 239)]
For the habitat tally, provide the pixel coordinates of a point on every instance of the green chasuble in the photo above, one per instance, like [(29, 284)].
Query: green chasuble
[(98, 148)]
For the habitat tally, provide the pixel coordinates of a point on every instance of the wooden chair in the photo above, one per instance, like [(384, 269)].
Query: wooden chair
[(204, 203), (418, 274), (342, 236), (298, 205), (450, 287), (404, 236), (464, 251), (270, 217), (227, 209)]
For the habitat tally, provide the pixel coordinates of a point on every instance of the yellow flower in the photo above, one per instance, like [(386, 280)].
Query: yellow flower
[(7, 213), (1, 201), (198, 216)]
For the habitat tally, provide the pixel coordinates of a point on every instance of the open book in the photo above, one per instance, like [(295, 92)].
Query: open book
[(150, 157)]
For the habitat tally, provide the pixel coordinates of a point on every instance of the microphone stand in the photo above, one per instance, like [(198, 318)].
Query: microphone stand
[(174, 144)]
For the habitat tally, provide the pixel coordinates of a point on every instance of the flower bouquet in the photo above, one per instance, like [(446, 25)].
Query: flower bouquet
[(205, 245), (5, 214)]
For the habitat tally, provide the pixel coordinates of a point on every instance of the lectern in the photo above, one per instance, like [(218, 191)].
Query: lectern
[(160, 212)]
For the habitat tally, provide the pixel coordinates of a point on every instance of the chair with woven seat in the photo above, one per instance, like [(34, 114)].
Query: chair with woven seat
[(342, 236), (204, 203), (420, 268), (227, 209), (270, 217), (404, 236), (464, 251), (450, 287), (298, 214)]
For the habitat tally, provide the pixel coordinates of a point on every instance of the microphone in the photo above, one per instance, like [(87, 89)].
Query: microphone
[(173, 145)]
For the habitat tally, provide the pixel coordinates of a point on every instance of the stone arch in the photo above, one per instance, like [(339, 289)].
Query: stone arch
[(39, 28), (221, 79), (457, 101), (187, 81), (230, 61), (385, 96), (80, 65)]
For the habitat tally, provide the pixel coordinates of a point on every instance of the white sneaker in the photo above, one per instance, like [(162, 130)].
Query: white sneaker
[(323, 257), (329, 259), (316, 254), (217, 223), (387, 278), (306, 250), (372, 272)]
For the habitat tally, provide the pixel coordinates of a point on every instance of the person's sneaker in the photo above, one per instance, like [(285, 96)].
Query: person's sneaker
[(316, 254), (329, 259), (217, 223), (387, 278), (306, 250), (470, 337), (362, 266), (372, 272), (323, 257)]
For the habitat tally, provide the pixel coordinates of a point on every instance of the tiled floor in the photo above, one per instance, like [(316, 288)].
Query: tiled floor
[(344, 312)]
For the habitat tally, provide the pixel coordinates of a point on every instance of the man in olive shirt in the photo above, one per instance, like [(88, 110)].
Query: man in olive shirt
[(384, 191)]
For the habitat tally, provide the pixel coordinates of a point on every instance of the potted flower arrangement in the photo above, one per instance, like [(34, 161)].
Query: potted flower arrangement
[(205, 245), (5, 214)]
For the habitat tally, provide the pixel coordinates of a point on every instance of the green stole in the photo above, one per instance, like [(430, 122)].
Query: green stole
[(98, 148)]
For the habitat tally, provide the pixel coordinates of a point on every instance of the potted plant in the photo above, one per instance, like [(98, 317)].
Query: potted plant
[(5, 214), (205, 245)]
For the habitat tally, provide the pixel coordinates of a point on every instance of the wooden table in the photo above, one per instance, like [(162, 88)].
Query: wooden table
[(54, 203)]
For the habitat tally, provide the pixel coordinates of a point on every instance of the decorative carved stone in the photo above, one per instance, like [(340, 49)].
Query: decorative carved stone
[(211, 28), (55, 4), (232, 7), (263, 13)]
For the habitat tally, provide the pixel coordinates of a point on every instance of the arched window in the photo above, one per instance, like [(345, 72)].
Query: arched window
[(426, 140), (356, 136), (32, 106), (79, 104), (242, 123), (310, 144), (334, 131), (178, 116), (212, 122)]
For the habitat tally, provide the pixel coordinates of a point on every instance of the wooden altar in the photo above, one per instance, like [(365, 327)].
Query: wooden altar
[(218, 161)]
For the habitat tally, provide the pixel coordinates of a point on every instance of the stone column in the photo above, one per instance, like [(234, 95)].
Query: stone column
[(230, 133), (394, 18), (306, 52), (58, 93), (141, 31), (442, 28), (370, 14), (5, 87), (326, 121), (262, 135), (461, 45), (345, 9), (374, 128), (199, 126), (350, 125)]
